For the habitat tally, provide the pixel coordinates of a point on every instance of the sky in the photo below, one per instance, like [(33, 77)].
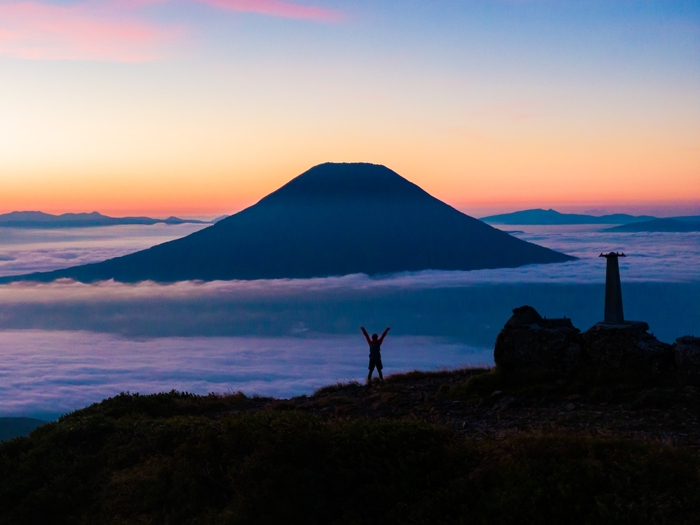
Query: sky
[(202, 107)]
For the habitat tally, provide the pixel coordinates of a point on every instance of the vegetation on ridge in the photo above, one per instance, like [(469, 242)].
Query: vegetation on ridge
[(419, 448)]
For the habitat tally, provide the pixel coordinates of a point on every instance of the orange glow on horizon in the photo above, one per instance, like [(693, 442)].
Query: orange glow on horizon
[(186, 166), (216, 194), (248, 94)]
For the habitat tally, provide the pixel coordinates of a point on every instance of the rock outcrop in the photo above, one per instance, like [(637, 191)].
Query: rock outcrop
[(530, 342), (626, 346)]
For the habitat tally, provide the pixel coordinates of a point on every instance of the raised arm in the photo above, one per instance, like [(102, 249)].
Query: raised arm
[(384, 334), (366, 335)]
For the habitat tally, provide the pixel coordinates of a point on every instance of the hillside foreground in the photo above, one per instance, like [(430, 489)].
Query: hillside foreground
[(462, 446)]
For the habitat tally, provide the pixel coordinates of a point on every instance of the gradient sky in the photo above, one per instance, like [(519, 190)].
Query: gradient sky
[(201, 107)]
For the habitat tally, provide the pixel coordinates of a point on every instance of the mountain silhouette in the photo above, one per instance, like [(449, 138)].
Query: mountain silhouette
[(334, 219), (12, 427), (552, 217), (40, 220), (671, 225)]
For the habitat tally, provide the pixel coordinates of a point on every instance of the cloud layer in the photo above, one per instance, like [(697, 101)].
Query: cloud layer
[(44, 374), (276, 8), (467, 306), (33, 30), (67, 344), (653, 257), (26, 251)]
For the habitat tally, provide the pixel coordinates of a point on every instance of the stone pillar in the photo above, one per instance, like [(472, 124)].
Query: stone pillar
[(613, 289)]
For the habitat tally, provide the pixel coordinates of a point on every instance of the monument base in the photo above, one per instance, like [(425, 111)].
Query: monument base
[(636, 326), (626, 345)]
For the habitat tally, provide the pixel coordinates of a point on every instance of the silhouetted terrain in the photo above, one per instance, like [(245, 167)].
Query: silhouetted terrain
[(679, 225), (469, 446), (335, 219), (37, 219), (552, 217)]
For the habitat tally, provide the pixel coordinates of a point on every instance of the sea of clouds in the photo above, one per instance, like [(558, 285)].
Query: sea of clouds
[(35, 250), (661, 257), (65, 344), (47, 373)]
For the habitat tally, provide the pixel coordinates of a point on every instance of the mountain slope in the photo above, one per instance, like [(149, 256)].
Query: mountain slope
[(334, 219)]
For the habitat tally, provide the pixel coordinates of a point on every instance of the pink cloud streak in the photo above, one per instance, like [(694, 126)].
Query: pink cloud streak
[(277, 8), (32, 30), (104, 31)]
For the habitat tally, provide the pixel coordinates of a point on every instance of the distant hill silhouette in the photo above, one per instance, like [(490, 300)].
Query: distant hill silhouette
[(671, 225), (552, 217), (11, 427), (37, 219), (334, 219)]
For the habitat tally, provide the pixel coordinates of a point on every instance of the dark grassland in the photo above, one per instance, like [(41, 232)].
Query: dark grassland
[(467, 446)]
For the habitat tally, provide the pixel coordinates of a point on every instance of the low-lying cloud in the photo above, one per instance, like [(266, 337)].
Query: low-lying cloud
[(44, 374), (470, 313), (468, 306), (65, 344), (651, 257), (28, 250)]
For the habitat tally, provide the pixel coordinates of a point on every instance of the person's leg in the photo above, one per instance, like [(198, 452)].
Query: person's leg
[(379, 369), (381, 377), (371, 369)]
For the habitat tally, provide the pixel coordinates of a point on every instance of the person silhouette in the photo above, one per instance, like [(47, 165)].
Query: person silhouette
[(375, 356)]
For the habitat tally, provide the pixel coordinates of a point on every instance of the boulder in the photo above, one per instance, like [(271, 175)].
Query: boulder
[(528, 341), (626, 346)]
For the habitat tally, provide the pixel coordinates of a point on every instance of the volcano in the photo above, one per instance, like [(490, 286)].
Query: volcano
[(334, 219)]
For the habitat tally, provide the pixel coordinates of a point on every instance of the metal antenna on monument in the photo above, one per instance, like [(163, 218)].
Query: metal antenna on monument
[(613, 289)]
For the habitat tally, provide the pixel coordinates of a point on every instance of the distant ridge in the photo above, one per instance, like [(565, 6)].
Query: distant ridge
[(334, 219), (12, 427), (37, 220), (552, 217), (670, 225)]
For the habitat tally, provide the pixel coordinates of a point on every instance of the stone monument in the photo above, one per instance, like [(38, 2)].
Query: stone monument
[(616, 343), (529, 341), (614, 316), (613, 289)]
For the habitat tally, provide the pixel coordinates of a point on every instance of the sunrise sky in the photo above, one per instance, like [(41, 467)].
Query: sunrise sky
[(201, 107)]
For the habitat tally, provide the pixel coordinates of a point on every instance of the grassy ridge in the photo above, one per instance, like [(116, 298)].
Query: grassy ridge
[(178, 458)]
